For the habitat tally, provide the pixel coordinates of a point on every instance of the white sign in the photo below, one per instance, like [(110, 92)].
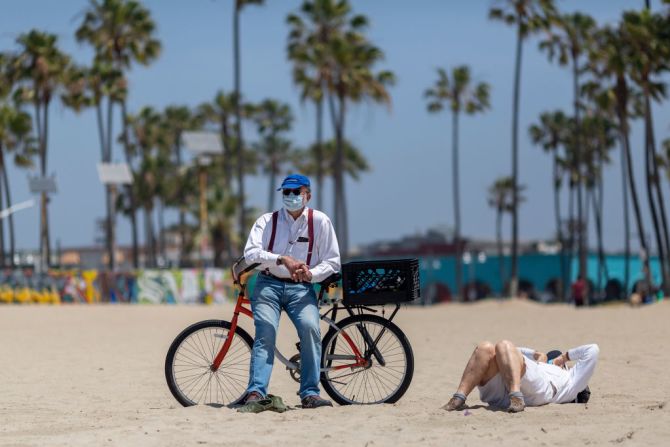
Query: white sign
[(202, 143), (42, 184), (114, 174)]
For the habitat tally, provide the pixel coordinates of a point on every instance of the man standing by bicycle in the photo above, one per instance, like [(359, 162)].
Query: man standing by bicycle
[(295, 247)]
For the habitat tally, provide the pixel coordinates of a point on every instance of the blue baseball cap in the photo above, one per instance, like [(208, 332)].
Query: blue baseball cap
[(294, 181)]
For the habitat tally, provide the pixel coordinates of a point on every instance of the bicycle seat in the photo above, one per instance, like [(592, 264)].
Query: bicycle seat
[(240, 268), (331, 281)]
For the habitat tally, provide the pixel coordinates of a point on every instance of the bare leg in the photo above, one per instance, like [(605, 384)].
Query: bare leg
[(510, 364), (512, 367), (481, 368)]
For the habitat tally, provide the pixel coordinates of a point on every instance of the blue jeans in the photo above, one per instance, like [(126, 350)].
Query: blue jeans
[(299, 300)]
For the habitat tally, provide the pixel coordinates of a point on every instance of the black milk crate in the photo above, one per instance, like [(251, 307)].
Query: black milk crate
[(374, 283)]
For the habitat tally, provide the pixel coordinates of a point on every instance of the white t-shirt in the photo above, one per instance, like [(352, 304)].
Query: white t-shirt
[(546, 383)]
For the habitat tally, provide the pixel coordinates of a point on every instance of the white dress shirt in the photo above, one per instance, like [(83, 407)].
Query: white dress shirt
[(325, 251), (548, 383)]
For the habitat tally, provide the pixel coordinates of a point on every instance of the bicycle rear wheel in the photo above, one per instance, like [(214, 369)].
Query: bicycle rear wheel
[(188, 365), (374, 382)]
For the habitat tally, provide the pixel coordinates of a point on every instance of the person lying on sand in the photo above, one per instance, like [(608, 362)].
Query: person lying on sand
[(511, 378)]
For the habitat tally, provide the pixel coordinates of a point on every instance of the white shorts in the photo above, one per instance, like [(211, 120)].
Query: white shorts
[(535, 387)]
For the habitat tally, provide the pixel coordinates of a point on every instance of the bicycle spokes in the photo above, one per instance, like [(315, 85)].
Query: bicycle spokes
[(192, 368), (375, 377)]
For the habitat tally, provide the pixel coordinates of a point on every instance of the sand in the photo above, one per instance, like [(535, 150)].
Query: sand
[(93, 375)]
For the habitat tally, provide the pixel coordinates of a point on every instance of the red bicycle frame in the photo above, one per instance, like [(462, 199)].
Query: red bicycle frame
[(241, 309)]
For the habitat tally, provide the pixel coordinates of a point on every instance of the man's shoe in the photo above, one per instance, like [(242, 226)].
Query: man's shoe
[(456, 403), (516, 404), (315, 401), (253, 396)]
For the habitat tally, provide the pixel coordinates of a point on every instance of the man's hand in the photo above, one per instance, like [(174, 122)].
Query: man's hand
[(560, 360), (540, 357), (292, 265), (304, 274)]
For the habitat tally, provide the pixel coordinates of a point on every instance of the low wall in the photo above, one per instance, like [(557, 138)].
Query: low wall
[(183, 286)]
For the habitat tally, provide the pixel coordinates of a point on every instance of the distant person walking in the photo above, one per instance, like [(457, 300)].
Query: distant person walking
[(579, 290)]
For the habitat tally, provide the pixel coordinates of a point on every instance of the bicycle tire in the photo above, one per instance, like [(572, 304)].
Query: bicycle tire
[(330, 381), (230, 378)]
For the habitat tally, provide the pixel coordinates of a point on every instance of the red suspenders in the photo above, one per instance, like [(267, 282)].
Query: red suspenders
[(275, 217), (310, 233)]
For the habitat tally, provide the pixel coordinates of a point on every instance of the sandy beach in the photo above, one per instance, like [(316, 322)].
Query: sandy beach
[(93, 375)]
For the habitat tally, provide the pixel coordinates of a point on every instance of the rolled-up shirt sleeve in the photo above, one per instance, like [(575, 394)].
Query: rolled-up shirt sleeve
[(527, 352), (586, 358), (253, 250), (328, 252)]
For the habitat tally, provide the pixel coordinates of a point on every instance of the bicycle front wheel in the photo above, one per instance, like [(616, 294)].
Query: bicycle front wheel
[(387, 371), (188, 365)]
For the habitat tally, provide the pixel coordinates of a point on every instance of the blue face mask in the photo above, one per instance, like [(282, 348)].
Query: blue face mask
[(293, 202)]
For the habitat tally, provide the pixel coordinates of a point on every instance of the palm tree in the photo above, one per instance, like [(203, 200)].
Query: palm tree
[(550, 134), (355, 164), (148, 159), (501, 197), (609, 60), (353, 80), (311, 30), (177, 119), (121, 33), (571, 36), (88, 87), (273, 120), (647, 36), (528, 16), (39, 69), (16, 140), (461, 96), (218, 116), (598, 138), (239, 5)]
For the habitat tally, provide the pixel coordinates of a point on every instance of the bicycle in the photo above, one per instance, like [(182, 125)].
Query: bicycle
[(366, 358)]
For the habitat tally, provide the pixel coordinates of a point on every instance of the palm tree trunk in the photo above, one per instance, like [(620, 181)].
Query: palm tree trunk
[(130, 191), (581, 205), (111, 261), (2, 221), (457, 210), (559, 231), (601, 213), (10, 218), (597, 214), (238, 123), (659, 196), (514, 276), (319, 154), (150, 238), (182, 213), (501, 261), (622, 114), (571, 219), (660, 243), (45, 199), (161, 229), (273, 180), (337, 116), (626, 221)]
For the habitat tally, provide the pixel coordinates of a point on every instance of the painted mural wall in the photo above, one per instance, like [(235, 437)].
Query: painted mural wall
[(183, 286)]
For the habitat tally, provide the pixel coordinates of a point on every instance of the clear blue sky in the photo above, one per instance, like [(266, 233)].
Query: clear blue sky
[(408, 149)]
